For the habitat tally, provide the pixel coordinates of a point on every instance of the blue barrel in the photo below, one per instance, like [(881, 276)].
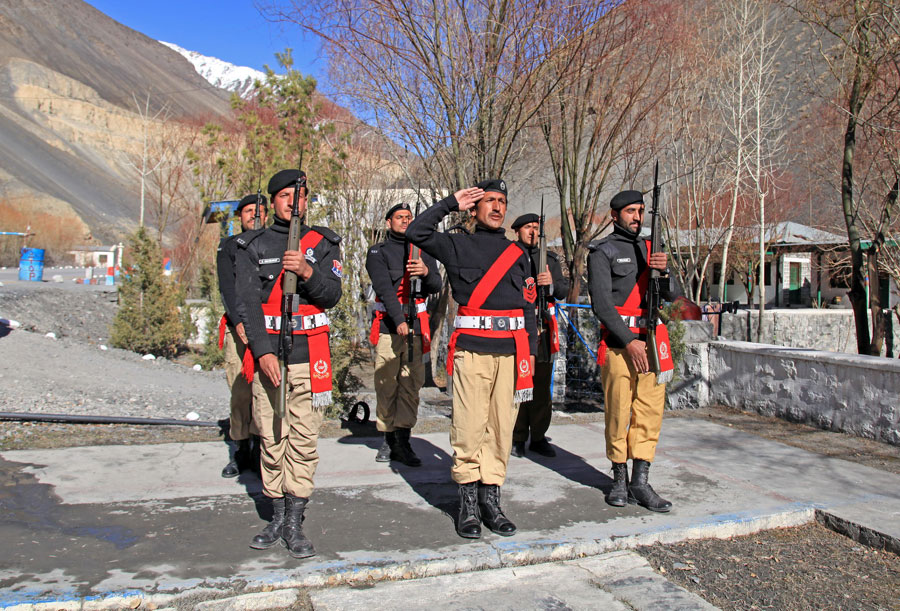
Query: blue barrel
[(31, 265)]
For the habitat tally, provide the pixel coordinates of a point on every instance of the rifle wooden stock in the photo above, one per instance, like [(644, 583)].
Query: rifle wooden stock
[(289, 304)]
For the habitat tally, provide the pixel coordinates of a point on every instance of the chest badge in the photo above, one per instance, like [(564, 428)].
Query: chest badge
[(309, 255), (624, 260)]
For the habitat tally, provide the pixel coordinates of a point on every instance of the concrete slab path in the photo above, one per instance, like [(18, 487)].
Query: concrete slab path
[(93, 522)]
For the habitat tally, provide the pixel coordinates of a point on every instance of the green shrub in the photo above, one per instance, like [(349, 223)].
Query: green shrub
[(148, 319)]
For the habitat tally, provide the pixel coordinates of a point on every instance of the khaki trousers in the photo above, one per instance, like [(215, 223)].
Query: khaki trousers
[(397, 382), (483, 416), (634, 408), (289, 453), (241, 426), (534, 415)]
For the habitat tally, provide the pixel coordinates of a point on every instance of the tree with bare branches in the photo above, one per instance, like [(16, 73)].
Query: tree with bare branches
[(860, 40)]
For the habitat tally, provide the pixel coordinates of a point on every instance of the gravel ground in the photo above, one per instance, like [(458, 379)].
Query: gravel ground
[(808, 567)]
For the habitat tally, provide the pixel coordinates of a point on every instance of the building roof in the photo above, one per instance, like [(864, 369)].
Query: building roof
[(786, 233)]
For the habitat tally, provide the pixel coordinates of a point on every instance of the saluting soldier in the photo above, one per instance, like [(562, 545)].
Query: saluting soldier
[(618, 274), (534, 415), (491, 352), (399, 375), (289, 453), (233, 341)]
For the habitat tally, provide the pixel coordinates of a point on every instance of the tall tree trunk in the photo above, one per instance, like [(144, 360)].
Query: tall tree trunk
[(857, 279)]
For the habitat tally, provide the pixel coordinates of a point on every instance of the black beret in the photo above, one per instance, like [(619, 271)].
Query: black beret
[(394, 209), (531, 217), (494, 184), (626, 198), (284, 179), (250, 200)]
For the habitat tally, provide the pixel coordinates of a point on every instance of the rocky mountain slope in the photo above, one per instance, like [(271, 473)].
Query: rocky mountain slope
[(69, 78)]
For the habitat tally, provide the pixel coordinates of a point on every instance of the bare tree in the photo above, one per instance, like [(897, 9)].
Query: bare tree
[(860, 40), (602, 89), (455, 83), (143, 165), (766, 134)]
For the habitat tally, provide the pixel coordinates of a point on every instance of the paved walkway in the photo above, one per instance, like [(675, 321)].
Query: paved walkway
[(88, 523)]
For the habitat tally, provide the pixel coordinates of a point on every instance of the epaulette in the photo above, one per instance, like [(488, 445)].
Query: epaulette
[(244, 239), (327, 233)]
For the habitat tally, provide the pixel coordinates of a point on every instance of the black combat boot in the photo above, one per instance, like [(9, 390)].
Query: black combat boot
[(402, 451), (297, 543), (518, 449), (491, 514), (640, 492), (618, 494), (468, 520), (384, 452), (240, 461), (542, 447), (271, 534)]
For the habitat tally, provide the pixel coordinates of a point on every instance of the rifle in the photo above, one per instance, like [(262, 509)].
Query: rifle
[(290, 300), (544, 346), (415, 287), (655, 286), (257, 219)]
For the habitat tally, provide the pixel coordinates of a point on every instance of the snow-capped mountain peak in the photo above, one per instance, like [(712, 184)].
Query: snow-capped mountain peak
[(220, 73)]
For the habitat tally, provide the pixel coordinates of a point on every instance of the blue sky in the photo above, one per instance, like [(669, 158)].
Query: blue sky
[(232, 30)]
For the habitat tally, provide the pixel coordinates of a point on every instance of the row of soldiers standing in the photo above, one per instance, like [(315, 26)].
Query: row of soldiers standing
[(501, 392)]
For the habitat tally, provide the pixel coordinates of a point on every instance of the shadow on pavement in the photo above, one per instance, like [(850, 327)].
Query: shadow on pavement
[(573, 467)]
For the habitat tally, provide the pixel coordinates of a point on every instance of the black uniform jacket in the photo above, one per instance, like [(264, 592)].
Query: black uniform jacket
[(614, 264), (258, 268), (386, 263), (226, 269), (467, 259), (560, 287)]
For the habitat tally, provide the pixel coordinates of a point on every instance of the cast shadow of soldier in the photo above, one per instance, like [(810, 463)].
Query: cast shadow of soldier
[(572, 467), (247, 478), (439, 492)]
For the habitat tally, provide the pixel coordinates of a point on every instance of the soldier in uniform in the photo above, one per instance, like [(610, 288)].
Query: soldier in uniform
[(289, 454), (398, 374), (491, 352), (233, 341), (534, 415), (618, 274)]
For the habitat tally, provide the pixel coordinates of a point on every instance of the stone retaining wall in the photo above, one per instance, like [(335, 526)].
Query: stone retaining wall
[(813, 328), (855, 394)]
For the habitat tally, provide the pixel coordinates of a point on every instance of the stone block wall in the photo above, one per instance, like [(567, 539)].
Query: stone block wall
[(814, 328)]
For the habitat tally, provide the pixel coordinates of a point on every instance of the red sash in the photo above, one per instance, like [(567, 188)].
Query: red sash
[(317, 338), (223, 324), (403, 298), (553, 325), (524, 383), (632, 307)]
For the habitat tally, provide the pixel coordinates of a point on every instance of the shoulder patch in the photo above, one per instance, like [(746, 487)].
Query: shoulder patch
[(327, 233), (244, 239)]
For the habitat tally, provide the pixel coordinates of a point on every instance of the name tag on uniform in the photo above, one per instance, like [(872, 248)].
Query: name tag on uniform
[(265, 261), (625, 260)]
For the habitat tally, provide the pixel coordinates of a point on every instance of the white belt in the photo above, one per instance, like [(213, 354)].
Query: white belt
[(490, 323), (302, 323), (637, 322), (420, 307)]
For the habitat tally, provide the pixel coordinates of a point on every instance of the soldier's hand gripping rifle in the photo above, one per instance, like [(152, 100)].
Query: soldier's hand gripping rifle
[(542, 291), (415, 287), (290, 300), (655, 287)]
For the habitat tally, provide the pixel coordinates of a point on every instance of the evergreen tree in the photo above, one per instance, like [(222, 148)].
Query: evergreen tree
[(148, 319)]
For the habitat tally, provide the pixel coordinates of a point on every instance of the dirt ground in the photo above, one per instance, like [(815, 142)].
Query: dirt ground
[(808, 567)]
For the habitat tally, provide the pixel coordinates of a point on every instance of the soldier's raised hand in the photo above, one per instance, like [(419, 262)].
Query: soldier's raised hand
[(467, 198)]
